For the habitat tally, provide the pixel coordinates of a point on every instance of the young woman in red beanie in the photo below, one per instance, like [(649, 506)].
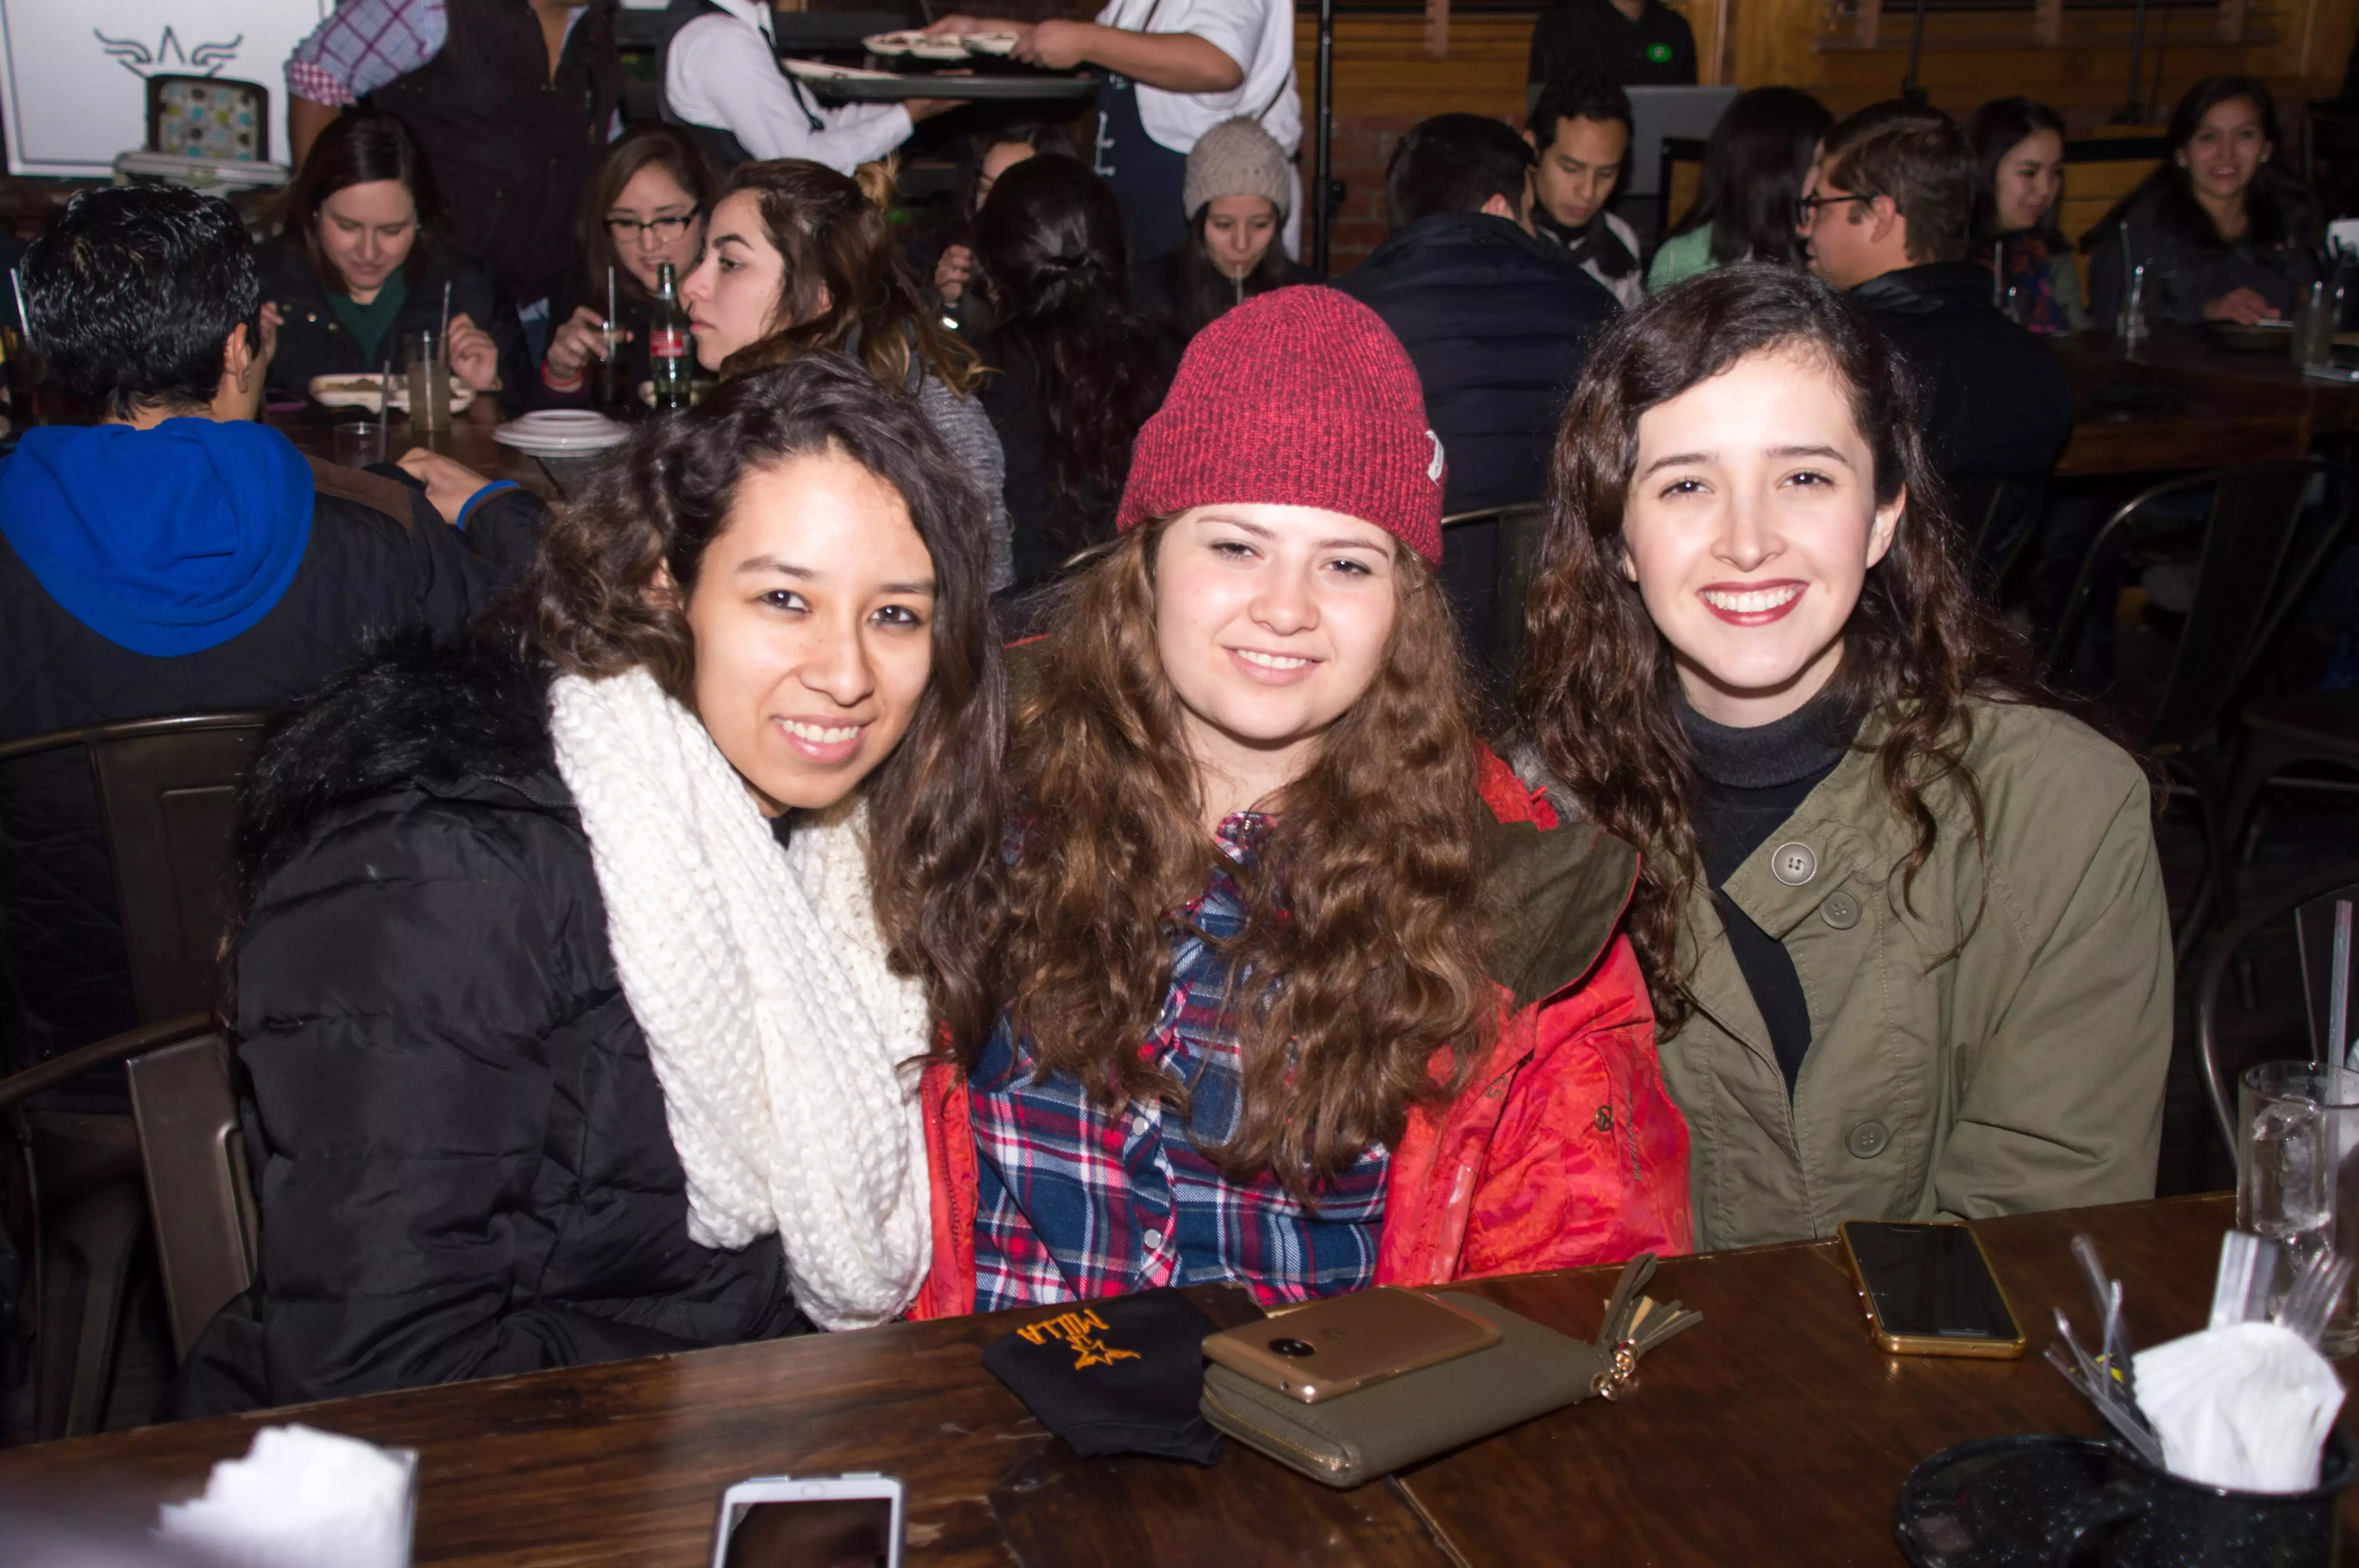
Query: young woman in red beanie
[(1306, 990)]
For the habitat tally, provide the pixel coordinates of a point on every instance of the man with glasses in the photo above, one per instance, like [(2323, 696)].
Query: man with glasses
[(1886, 215)]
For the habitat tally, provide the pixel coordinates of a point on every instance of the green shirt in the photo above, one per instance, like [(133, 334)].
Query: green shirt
[(369, 323), (1681, 257)]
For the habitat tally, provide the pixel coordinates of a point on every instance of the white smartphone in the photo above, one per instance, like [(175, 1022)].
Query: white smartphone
[(810, 1522)]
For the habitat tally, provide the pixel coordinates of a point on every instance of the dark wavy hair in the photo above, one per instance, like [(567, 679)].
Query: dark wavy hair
[(833, 232), (1201, 293), (676, 150), (132, 294), (1997, 128), (1754, 169), (1600, 694), (359, 148), (1364, 902), (1050, 242), (934, 813), (2274, 202)]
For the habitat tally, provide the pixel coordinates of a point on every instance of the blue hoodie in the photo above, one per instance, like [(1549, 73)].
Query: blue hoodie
[(167, 541)]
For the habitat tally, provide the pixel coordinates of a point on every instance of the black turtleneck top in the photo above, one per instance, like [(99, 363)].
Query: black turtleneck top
[(1753, 780)]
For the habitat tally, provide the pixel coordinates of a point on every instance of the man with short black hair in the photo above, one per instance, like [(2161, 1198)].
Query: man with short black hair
[(1580, 133), (1887, 214), (176, 557), (1497, 321)]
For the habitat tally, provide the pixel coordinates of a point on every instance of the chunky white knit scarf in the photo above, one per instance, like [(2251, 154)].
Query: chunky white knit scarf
[(775, 1028)]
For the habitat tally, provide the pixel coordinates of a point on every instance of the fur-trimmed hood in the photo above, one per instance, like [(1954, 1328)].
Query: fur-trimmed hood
[(451, 719)]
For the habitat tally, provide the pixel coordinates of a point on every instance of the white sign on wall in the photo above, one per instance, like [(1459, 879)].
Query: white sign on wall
[(74, 91)]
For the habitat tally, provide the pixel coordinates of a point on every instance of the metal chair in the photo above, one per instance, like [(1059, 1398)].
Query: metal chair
[(1996, 517), (2249, 580), (1492, 613), (2311, 903), (190, 1158), (166, 792)]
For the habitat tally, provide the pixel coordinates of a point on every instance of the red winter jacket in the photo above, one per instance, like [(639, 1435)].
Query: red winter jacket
[(1563, 1149)]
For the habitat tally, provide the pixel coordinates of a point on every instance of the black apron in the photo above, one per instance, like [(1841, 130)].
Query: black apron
[(1150, 179)]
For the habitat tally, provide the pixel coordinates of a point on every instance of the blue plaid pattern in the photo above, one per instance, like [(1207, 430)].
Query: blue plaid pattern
[(1074, 1204)]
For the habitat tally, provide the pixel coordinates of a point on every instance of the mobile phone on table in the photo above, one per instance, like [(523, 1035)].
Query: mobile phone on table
[(1929, 1290), (1332, 1346), (810, 1522)]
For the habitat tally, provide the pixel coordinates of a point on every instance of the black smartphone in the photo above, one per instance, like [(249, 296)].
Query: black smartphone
[(1927, 1289)]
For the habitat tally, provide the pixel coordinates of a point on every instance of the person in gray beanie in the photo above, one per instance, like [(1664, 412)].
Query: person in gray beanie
[(1237, 192)]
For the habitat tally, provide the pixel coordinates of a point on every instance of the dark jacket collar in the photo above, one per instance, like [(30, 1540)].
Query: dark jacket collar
[(1555, 898), (1450, 231), (457, 719), (1928, 290)]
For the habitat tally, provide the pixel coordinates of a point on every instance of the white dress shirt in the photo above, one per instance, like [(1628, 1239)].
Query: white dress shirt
[(723, 71), (1256, 33)]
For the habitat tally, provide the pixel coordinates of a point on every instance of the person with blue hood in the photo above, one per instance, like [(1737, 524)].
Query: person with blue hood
[(176, 557)]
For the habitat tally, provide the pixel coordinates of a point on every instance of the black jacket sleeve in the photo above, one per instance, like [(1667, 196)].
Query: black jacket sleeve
[(396, 987)]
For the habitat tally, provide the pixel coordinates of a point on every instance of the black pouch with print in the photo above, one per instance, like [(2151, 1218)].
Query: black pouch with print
[(1120, 1376)]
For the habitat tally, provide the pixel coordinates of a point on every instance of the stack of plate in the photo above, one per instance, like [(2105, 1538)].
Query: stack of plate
[(561, 433)]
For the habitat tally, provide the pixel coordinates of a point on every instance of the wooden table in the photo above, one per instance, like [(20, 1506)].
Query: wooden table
[(1775, 1432), (468, 441), (2235, 407)]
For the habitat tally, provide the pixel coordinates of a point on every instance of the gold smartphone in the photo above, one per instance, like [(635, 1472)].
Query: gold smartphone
[(1929, 1290), (1327, 1347)]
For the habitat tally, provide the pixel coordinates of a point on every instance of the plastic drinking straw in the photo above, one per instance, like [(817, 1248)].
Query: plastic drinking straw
[(2338, 991), (610, 302), (24, 321), (443, 341)]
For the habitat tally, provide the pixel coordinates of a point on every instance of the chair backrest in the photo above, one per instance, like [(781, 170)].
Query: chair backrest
[(200, 1190), (2311, 903), (168, 795), (209, 117), (2255, 510), (1994, 517)]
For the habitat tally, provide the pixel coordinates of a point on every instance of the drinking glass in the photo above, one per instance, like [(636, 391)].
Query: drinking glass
[(2298, 1172), (2313, 326), (360, 442), (429, 361), (610, 385)]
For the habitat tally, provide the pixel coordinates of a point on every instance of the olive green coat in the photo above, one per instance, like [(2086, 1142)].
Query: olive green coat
[(2001, 1048)]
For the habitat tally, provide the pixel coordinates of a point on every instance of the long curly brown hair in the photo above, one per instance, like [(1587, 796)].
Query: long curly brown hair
[(845, 286), (1598, 693), (935, 810), (1364, 902)]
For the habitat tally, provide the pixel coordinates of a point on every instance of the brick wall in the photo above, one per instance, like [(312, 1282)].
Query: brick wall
[(1363, 145)]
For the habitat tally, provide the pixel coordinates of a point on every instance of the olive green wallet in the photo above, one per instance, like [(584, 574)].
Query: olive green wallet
[(1356, 1437)]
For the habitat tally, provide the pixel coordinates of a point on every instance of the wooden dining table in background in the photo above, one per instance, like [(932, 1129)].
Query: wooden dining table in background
[(1774, 1432), (469, 441), (2184, 402)]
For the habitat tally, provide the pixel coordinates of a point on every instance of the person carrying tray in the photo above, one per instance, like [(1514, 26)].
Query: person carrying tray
[(721, 78), (1174, 69)]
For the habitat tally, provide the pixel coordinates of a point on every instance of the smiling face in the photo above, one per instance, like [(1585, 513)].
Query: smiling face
[(366, 231), (2226, 151), (1238, 230), (813, 623), (1749, 528), (1271, 623), (734, 295), (1577, 172), (655, 196), (2028, 180)]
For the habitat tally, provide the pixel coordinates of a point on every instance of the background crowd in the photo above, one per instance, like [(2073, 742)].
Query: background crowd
[(1256, 915)]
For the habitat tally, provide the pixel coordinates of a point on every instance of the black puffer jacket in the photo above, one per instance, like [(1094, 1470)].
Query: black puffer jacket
[(379, 561), (458, 1138), (1499, 325)]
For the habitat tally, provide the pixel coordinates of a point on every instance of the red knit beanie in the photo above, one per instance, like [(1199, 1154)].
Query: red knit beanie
[(1298, 397)]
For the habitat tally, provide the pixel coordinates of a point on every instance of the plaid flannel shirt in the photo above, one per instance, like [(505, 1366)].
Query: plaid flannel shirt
[(1075, 1204), (364, 44)]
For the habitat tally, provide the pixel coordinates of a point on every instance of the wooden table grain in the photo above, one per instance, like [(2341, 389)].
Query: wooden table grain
[(2231, 406), (1775, 1432), (468, 441)]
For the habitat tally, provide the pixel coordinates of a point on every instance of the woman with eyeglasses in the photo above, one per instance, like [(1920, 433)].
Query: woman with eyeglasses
[(361, 260), (646, 205)]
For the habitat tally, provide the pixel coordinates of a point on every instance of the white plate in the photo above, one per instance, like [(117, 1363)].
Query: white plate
[(1000, 44), (894, 43), (561, 432), (362, 391), (819, 71)]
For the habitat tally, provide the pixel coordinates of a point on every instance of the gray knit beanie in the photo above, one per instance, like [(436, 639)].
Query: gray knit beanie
[(1237, 157)]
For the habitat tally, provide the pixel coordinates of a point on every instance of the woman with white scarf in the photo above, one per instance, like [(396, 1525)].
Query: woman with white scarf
[(582, 966)]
